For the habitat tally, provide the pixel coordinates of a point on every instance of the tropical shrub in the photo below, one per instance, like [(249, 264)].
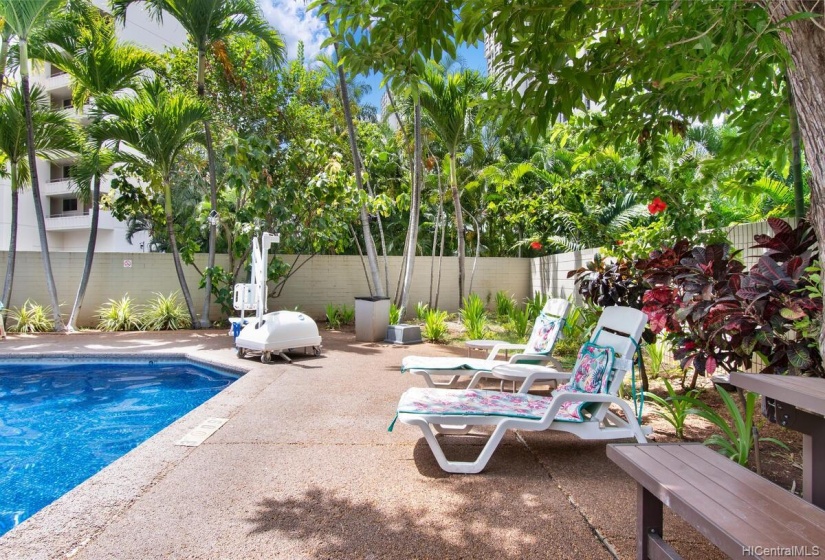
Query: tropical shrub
[(535, 304), (347, 314), (504, 305), (396, 314), (674, 409), (421, 310), (435, 326), (519, 323), (737, 437), (31, 318), (333, 317), (119, 315), (165, 313), (656, 353), (474, 317)]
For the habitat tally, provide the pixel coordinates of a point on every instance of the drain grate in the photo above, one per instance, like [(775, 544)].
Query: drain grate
[(202, 432)]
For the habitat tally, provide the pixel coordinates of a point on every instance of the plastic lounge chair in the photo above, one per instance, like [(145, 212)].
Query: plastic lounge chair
[(546, 331), (612, 319), (580, 407)]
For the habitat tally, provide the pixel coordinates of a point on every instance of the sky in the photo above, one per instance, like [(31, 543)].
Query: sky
[(296, 24)]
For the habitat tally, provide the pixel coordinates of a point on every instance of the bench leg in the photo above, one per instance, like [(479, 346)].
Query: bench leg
[(648, 520), (649, 543)]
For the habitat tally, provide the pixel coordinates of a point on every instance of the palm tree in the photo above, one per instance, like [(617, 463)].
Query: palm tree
[(23, 18), (450, 101), (209, 23), (54, 138), (5, 35), (83, 44), (156, 125)]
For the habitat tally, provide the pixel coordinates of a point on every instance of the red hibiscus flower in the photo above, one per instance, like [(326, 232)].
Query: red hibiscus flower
[(619, 242), (535, 245), (656, 206)]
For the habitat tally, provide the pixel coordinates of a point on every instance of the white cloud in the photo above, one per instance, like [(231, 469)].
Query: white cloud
[(296, 24)]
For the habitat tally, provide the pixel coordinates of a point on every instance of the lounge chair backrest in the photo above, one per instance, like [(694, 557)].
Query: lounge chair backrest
[(548, 326), (620, 328)]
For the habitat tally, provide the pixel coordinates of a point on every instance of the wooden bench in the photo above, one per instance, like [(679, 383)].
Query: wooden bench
[(743, 514)]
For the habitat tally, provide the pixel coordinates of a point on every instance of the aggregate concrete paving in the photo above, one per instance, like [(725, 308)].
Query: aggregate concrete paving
[(305, 468)]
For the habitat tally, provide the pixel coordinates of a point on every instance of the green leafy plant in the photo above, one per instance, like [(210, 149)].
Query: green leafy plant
[(421, 310), (504, 305), (737, 438), (581, 319), (656, 352), (166, 313), (474, 317), (396, 313), (347, 314), (31, 318), (435, 326), (674, 409), (333, 317), (519, 323), (119, 315), (535, 304)]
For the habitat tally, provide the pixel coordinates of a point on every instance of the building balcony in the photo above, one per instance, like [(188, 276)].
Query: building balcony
[(57, 187), (78, 221), (56, 84)]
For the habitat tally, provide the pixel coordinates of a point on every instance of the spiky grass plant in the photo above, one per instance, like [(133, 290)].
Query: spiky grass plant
[(31, 317), (474, 317), (119, 315), (166, 313)]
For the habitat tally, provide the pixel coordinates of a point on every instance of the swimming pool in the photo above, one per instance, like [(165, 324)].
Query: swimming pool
[(61, 421)]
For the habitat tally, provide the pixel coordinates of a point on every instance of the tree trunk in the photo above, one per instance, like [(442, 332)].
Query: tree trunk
[(415, 206), (38, 204), (806, 44), (213, 196), (90, 255), (436, 223), (12, 256), (170, 231), (478, 251), (369, 242), (4, 54), (796, 160), (459, 227)]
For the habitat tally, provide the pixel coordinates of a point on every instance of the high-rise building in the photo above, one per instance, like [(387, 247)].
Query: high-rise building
[(68, 218)]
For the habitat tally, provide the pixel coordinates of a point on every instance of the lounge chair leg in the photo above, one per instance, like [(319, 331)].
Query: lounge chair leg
[(443, 385), (452, 430), (462, 467)]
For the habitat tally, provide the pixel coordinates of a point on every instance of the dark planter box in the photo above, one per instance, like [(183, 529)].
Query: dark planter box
[(403, 334)]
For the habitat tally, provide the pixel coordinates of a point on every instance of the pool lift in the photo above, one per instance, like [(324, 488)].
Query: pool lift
[(269, 333)]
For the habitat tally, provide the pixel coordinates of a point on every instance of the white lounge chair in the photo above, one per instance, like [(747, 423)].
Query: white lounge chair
[(546, 332), (580, 407)]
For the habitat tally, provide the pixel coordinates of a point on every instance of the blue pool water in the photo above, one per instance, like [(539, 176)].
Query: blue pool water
[(63, 421)]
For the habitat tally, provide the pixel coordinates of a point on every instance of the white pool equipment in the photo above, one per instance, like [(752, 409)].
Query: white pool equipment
[(270, 333)]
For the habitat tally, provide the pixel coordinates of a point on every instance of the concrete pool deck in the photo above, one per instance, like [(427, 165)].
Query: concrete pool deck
[(305, 468)]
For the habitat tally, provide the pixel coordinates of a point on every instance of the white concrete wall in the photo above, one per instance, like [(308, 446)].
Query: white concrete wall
[(322, 280)]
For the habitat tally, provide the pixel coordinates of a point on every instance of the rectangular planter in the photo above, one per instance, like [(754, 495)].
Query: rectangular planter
[(372, 317), (403, 334)]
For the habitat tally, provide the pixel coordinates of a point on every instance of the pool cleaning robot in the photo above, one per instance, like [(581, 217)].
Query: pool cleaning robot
[(269, 333)]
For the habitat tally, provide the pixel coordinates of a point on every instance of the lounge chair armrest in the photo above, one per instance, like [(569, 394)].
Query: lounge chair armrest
[(504, 346), (541, 358)]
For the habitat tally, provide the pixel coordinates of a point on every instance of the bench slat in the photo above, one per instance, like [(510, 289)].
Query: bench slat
[(784, 509), (678, 474)]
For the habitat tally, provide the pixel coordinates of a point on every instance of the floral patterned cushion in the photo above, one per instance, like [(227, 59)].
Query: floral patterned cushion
[(592, 371), (591, 374), (544, 336), (476, 402)]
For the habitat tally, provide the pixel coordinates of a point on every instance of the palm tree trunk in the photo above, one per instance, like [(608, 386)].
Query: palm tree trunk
[(478, 250), (438, 219), (459, 227), (415, 206), (12, 256), (369, 242), (38, 205), (170, 231), (4, 54), (796, 153), (213, 196), (90, 255)]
